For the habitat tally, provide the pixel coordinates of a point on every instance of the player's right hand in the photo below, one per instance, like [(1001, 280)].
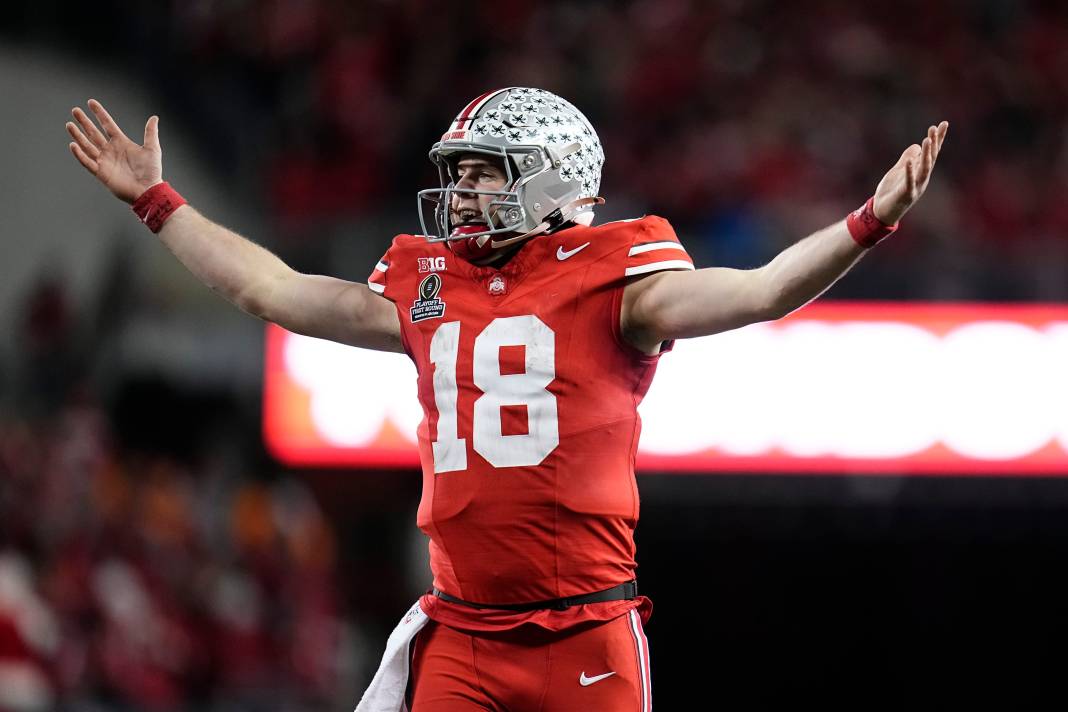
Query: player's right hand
[(124, 167)]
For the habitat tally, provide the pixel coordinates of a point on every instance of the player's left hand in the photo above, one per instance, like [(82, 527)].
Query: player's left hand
[(903, 184)]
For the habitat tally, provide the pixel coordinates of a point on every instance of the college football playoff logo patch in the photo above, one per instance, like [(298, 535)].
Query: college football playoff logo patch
[(427, 305)]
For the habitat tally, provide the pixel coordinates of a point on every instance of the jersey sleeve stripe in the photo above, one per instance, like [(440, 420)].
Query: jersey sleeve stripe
[(656, 266), (647, 247), (376, 288), (382, 266)]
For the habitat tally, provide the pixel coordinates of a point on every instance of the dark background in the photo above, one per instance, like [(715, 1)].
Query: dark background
[(152, 556)]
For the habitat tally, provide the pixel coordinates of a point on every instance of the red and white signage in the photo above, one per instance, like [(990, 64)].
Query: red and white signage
[(835, 388)]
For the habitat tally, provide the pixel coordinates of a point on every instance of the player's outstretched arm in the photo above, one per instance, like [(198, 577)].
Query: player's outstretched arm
[(675, 305), (240, 270)]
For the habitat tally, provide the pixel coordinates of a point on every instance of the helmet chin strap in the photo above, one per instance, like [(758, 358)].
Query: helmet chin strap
[(554, 219)]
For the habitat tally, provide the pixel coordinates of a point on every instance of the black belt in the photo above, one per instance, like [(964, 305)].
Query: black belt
[(622, 592)]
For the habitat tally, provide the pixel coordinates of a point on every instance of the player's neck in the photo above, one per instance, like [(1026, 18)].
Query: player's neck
[(501, 257)]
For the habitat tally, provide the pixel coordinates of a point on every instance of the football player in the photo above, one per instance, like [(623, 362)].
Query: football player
[(535, 335)]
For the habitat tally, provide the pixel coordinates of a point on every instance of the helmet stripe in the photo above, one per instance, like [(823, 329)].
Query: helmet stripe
[(471, 109)]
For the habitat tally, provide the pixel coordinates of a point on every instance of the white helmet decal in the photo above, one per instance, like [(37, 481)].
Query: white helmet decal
[(550, 152)]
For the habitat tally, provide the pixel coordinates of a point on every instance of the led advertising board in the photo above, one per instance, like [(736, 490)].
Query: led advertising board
[(962, 389)]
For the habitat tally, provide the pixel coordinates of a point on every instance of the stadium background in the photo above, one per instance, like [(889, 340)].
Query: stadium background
[(153, 557)]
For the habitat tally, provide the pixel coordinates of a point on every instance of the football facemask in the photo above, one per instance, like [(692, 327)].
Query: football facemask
[(550, 154)]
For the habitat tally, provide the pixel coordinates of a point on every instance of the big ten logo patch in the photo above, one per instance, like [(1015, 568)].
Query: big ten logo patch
[(431, 264)]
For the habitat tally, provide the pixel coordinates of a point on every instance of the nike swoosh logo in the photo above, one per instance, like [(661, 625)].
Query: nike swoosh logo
[(561, 255), (587, 681)]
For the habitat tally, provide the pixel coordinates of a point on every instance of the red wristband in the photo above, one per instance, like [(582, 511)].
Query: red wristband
[(156, 205), (865, 228)]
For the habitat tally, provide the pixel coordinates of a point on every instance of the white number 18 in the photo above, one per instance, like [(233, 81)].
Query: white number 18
[(498, 390)]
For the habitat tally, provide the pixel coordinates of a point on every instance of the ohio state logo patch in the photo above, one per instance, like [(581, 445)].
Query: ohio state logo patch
[(427, 305)]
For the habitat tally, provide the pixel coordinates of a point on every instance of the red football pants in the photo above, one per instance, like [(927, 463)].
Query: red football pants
[(599, 667)]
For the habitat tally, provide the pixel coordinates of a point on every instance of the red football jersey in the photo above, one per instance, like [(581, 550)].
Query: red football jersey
[(530, 397)]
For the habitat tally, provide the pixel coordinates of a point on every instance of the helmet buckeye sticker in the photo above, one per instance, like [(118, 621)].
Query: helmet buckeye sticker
[(427, 305)]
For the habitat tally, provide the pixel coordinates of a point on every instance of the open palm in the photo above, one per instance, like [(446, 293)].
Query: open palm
[(124, 167), (903, 184)]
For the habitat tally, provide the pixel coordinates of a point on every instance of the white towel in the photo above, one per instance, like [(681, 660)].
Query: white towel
[(387, 688)]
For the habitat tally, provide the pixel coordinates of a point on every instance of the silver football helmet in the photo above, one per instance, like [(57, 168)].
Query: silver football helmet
[(550, 153)]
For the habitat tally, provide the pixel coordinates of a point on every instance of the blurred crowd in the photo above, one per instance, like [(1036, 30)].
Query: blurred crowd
[(748, 123), (132, 581), (146, 561)]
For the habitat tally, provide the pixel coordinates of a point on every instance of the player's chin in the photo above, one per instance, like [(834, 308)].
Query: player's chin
[(469, 229), (468, 223)]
